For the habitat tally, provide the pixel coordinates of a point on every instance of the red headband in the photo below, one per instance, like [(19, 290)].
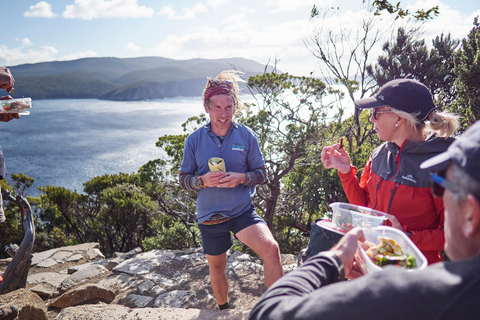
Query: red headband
[(217, 88)]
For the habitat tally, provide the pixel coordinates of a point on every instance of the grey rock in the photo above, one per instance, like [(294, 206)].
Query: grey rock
[(82, 276), (173, 299), (142, 263), (144, 287), (139, 301), (47, 263), (75, 257), (51, 278)]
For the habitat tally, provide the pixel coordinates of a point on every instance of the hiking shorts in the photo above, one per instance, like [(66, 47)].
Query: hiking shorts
[(216, 239)]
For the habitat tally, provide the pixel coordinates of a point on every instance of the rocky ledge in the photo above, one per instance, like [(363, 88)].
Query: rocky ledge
[(78, 282)]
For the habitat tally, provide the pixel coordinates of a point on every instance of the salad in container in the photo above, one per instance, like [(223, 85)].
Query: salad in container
[(388, 247)]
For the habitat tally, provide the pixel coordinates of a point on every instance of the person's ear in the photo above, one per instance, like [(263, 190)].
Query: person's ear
[(206, 107), (400, 121), (471, 224)]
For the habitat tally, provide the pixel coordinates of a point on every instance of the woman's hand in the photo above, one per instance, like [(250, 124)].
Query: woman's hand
[(336, 157)]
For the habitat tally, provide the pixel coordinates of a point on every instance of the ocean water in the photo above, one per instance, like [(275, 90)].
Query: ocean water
[(68, 142)]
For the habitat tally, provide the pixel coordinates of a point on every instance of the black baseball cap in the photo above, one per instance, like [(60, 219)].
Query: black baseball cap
[(402, 94), (464, 152)]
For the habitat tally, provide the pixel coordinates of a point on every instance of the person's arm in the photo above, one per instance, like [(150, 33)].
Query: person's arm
[(289, 294), (190, 181), (356, 192), (293, 295)]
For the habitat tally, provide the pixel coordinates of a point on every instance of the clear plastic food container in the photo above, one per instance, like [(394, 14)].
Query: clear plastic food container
[(15, 105), (347, 216), (408, 247)]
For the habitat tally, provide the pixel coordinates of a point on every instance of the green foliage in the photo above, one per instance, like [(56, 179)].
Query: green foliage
[(420, 14), (289, 119), (114, 212), (124, 218), (171, 234), (407, 56), (467, 69)]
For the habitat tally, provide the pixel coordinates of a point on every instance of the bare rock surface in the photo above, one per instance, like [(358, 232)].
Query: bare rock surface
[(78, 282)]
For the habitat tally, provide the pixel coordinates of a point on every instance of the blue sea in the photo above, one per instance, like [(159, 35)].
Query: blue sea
[(68, 142)]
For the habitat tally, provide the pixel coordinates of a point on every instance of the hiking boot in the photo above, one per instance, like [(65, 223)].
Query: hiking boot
[(2, 214), (9, 313)]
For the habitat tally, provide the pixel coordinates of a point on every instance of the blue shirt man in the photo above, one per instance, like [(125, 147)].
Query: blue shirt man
[(224, 203)]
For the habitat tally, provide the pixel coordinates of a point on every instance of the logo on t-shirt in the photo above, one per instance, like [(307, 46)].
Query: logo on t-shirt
[(237, 147)]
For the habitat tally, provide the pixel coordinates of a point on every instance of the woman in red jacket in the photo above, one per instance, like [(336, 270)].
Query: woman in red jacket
[(392, 180)]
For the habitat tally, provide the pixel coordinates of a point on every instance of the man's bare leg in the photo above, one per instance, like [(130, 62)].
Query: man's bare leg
[(218, 279), (259, 238)]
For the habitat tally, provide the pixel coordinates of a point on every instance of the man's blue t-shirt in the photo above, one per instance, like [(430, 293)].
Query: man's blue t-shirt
[(241, 153)]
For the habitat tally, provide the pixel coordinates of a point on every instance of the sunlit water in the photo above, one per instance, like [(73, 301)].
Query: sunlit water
[(68, 142)]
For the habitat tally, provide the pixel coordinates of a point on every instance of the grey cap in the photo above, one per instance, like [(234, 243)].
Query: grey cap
[(464, 152)]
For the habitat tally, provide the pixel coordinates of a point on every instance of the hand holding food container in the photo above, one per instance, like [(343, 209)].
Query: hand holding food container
[(16, 106), (216, 165), (388, 247)]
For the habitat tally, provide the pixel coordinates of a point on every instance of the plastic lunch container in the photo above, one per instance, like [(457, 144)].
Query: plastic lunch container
[(15, 105), (347, 216), (408, 247)]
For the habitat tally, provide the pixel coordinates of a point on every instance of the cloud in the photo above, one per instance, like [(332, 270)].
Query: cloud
[(79, 55), (12, 57), (132, 47), (40, 10), (278, 6), (97, 9), (281, 42), (217, 3), (190, 13), (26, 42)]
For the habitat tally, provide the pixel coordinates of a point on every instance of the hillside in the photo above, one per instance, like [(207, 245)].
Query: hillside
[(127, 79)]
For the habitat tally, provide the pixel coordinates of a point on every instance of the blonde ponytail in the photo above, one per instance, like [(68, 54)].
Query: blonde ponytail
[(444, 123)]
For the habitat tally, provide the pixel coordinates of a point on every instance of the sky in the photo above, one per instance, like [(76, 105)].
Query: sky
[(268, 31)]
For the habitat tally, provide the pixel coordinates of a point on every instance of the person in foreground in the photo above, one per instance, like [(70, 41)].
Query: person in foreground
[(6, 82), (224, 202), (445, 290), (406, 117)]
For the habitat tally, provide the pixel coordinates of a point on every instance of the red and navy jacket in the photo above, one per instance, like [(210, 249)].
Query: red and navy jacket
[(393, 182)]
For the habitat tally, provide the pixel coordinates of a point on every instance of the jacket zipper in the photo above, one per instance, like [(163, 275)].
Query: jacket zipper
[(376, 193), (393, 194)]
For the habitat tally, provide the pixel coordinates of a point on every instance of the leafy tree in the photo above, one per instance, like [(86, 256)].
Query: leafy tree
[(114, 212), (124, 219), (420, 14), (407, 56), (467, 69), (171, 234), (289, 120)]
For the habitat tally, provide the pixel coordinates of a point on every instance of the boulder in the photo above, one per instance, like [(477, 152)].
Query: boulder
[(30, 305), (82, 276), (82, 294)]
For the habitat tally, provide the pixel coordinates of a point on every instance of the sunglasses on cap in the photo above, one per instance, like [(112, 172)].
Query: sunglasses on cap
[(377, 111), (440, 183), (216, 82)]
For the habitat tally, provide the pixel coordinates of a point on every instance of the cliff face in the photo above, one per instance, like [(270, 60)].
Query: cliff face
[(117, 79)]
